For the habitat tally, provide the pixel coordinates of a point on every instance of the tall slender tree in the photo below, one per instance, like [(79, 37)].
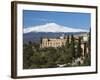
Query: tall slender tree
[(72, 46), (79, 49), (85, 51), (67, 42), (89, 42)]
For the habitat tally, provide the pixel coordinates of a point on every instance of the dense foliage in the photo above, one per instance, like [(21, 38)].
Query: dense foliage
[(36, 57)]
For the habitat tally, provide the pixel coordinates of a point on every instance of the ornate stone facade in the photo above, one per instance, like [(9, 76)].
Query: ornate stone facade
[(59, 42), (53, 42)]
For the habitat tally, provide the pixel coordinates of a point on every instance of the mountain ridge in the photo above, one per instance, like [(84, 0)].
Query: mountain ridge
[(36, 36), (52, 27)]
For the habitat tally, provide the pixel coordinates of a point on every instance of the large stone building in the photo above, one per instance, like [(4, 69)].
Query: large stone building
[(61, 41), (53, 42)]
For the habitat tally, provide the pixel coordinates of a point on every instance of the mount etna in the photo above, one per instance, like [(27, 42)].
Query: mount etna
[(49, 30)]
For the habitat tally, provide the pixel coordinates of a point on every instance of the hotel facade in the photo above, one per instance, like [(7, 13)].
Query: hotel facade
[(61, 41)]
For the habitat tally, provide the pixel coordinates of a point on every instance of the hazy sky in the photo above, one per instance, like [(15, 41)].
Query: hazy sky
[(68, 19)]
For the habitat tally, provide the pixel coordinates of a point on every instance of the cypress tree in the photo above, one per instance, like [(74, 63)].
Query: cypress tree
[(67, 42), (72, 46), (85, 52), (89, 42), (79, 49)]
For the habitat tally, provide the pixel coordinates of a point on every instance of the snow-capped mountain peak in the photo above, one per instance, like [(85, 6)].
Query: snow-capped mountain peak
[(51, 27)]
